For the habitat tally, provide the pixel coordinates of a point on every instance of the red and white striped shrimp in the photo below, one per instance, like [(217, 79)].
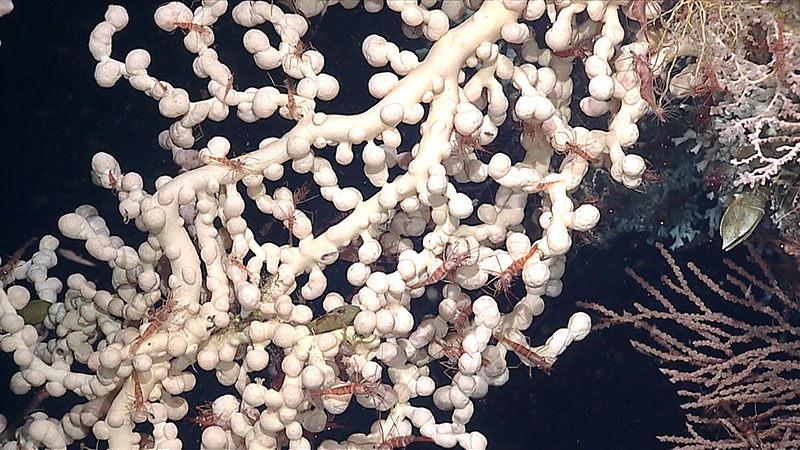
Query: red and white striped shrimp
[(401, 442), (236, 164), (647, 85), (300, 195), (298, 51), (638, 10), (526, 354), (583, 47), (468, 144), (139, 411), (160, 318), (452, 349), (540, 186), (503, 281), (240, 265), (189, 27), (350, 388), (461, 320), (451, 262), (205, 416), (293, 110), (570, 146)]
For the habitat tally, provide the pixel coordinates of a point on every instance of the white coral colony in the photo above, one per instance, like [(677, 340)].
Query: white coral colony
[(228, 302)]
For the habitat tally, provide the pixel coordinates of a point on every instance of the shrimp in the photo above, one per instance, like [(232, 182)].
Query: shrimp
[(299, 49), (452, 262), (650, 176), (402, 442), (370, 392), (299, 196), (647, 85), (526, 354), (790, 245), (228, 87), (113, 181), (139, 411), (503, 280), (190, 27), (744, 427), (569, 146), (528, 129), (233, 164), (159, 319), (638, 10), (452, 349), (468, 144), (351, 388), (297, 54), (205, 416), (293, 110), (163, 88), (8, 267), (709, 85), (582, 48), (239, 264), (461, 320), (540, 186)]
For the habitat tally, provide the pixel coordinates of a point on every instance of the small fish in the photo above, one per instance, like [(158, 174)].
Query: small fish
[(35, 311), (335, 319), (742, 217), (74, 257)]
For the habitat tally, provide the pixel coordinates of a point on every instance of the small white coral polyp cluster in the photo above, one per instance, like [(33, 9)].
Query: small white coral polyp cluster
[(223, 303)]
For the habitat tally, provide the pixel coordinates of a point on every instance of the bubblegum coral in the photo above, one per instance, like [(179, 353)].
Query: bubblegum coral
[(206, 287)]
